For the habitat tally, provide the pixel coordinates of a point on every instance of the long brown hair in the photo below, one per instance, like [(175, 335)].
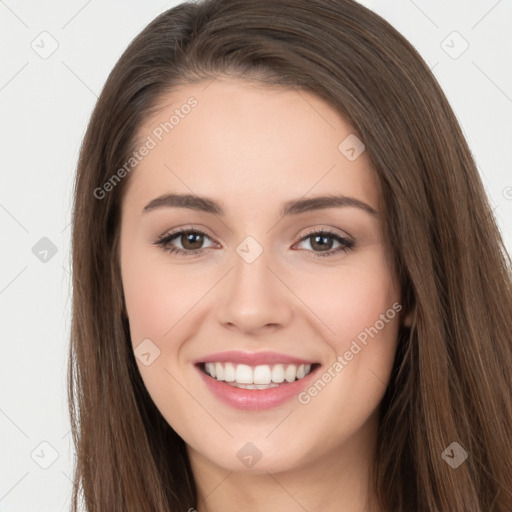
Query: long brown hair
[(452, 377)]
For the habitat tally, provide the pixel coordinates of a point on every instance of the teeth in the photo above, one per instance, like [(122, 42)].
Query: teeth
[(229, 372), (290, 373), (262, 374), (243, 374), (210, 369), (278, 373), (257, 377), (219, 371)]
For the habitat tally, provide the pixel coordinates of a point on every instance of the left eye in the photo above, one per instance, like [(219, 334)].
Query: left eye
[(192, 240), (321, 240)]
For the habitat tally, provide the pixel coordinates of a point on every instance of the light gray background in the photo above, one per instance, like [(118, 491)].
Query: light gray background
[(45, 105)]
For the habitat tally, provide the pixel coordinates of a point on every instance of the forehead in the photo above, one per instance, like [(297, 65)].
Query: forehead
[(244, 143)]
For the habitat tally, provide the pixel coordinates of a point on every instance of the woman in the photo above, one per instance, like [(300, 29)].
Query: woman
[(289, 288)]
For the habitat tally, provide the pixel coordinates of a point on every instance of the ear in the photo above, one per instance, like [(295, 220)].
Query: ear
[(407, 321)]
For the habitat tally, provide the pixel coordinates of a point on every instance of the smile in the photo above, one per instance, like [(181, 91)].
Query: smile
[(255, 381), (258, 377)]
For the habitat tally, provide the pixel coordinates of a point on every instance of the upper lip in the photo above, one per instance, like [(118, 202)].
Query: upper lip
[(252, 358)]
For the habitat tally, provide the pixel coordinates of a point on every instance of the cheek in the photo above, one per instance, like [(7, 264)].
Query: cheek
[(349, 300), (148, 304), (357, 309), (158, 302), (156, 296)]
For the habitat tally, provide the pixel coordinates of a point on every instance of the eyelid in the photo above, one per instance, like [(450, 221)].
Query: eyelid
[(327, 229), (187, 227), (175, 232)]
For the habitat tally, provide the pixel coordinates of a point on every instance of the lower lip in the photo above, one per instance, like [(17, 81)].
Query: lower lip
[(256, 399)]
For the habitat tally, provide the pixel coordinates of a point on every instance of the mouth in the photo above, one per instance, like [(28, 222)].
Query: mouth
[(256, 381), (260, 377)]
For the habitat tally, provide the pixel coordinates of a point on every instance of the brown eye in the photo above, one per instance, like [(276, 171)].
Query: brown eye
[(321, 243), (191, 240)]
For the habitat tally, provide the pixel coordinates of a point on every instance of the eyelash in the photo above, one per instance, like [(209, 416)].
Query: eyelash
[(165, 240)]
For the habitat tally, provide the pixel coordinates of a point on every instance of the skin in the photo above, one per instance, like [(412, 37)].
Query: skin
[(251, 148)]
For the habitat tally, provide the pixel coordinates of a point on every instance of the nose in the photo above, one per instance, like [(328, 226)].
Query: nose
[(254, 297)]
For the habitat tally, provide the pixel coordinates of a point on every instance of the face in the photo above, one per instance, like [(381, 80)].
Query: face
[(265, 337)]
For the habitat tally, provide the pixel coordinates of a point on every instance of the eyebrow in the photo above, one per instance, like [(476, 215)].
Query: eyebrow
[(292, 207)]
